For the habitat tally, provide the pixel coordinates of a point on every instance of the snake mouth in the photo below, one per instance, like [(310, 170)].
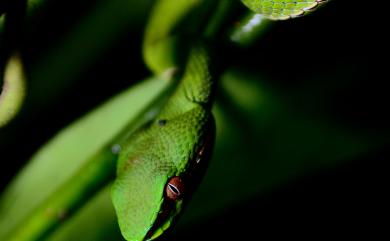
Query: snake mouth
[(169, 210)]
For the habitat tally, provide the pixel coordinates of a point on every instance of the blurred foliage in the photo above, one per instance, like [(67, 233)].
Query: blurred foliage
[(13, 89), (74, 150), (301, 115)]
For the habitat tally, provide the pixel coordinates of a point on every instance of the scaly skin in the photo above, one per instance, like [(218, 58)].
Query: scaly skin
[(175, 145), (160, 165), (282, 9)]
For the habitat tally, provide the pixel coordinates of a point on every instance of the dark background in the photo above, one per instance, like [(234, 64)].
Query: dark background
[(343, 44)]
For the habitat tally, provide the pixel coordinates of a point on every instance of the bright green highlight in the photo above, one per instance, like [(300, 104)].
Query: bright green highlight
[(13, 90)]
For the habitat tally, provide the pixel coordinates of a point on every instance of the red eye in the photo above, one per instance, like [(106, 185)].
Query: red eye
[(174, 188)]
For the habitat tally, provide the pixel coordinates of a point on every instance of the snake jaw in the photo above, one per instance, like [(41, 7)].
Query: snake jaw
[(169, 210)]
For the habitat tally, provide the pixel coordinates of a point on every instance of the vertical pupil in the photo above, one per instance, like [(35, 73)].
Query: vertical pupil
[(174, 189)]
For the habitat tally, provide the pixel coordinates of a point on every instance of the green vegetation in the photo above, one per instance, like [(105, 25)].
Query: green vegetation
[(81, 79)]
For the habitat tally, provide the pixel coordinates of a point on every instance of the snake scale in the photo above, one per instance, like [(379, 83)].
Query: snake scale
[(162, 163)]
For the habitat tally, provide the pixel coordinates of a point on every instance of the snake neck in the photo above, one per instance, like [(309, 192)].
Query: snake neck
[(196, 86)]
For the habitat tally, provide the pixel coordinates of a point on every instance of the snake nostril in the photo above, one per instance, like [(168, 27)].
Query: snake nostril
[(162, 122)]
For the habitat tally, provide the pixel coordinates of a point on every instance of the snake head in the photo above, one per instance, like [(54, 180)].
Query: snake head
[(158, 170)]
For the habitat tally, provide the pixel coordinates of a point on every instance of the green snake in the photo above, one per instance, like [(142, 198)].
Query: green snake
[(162, 163)]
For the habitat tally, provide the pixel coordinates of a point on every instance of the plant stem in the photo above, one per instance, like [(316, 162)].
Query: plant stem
[(65, 201), (94, 175)]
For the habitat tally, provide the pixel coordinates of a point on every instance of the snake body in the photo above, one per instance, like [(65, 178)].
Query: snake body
[(162, 163), (171, 150), (282, 9)]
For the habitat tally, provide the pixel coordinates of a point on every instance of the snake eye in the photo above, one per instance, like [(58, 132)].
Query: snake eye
[(174, 189)]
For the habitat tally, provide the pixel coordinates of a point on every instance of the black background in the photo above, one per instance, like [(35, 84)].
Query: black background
[(343, 36)]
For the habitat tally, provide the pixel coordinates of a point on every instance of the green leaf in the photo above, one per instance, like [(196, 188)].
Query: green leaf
[(67, 152), (97, 219)]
